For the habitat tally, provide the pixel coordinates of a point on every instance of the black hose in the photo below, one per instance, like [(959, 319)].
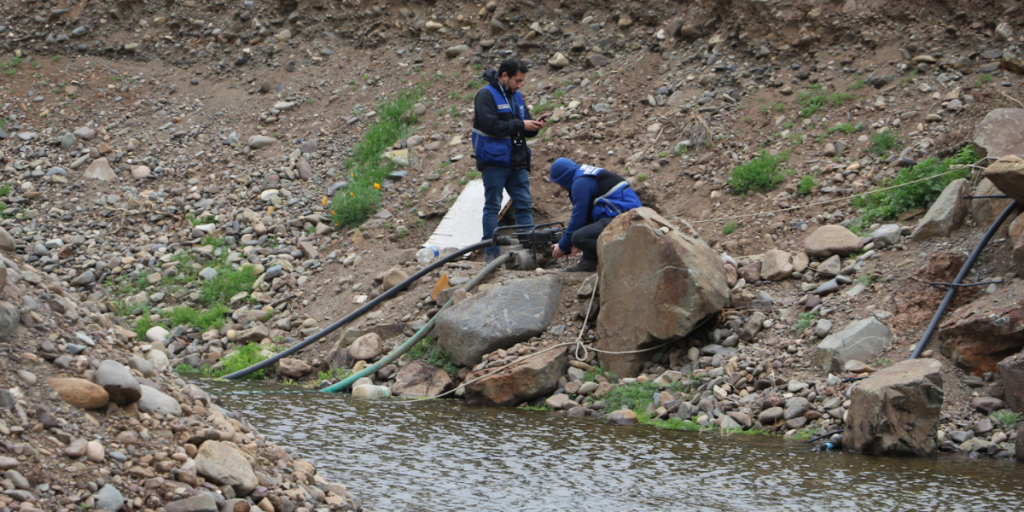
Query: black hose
[(960, 277), (359, 312)]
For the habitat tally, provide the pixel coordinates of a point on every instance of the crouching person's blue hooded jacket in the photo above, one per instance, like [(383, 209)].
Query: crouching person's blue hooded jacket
[(595, 194)]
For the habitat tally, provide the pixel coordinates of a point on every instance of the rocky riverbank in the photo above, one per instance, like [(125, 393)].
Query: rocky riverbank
[(180, 189)]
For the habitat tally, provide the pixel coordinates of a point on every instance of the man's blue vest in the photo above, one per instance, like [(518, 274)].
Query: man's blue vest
[(492, 150), (618, 199)]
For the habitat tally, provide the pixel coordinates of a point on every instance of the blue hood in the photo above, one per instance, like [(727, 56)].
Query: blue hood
[(563, 171)]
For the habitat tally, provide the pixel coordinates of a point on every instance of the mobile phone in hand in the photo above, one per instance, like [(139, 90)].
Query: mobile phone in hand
[(543, 117)]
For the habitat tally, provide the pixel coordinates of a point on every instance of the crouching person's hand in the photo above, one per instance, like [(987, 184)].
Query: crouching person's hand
[(556, 251)]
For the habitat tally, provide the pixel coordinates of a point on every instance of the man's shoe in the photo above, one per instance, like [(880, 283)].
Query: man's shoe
[(583, 266), (492, 257)]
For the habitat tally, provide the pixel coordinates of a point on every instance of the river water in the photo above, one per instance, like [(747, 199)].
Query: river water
[(401, 456)]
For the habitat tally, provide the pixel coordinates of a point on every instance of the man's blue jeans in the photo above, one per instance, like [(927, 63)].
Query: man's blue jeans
[(517, 183)]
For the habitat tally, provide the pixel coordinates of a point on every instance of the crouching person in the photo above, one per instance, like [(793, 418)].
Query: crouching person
[(597, 196)]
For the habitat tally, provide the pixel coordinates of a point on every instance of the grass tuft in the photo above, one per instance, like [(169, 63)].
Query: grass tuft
[(432, 353), (883, 142), (762, 174), (244, 357), (367, 170), (807, 184)]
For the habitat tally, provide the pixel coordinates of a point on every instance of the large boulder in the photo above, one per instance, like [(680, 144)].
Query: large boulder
[(896, 410), (222, 463), (1011, 373), (831, 239), (119, 382), (421, 379), (656, 283), (1000, 133), (862, 340), (497, 318), (156, 402), (528, 379), (946, 214), (986, 210), (80, 392), (1007, 174), (986, 330)]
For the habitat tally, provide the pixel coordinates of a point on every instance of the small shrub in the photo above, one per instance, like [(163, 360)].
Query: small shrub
[(882, 362), (761, 173), (542, 407), (883, 142), (730, 227), (244, 357), (803, 321), (641, 177), (867, 280), (202, 321), (633, 396), (985, 78), (846, 128), (807, 183), (858, 84), (226, 284), (887, 205), (1007, 418), (433, 354)]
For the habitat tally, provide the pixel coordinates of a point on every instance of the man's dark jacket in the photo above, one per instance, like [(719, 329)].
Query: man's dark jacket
[(488, 120)]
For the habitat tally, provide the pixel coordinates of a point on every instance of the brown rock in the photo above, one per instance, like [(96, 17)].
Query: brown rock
[(987, 330), (985, 211), (623, 417), (525, 380), (309, 250), (80, 392), (750, 272), (1007, 174), (305, 170), (776, 266), (896, 410), (366, 347), (421, 379), (656, 283), (292, 367), (100, 169), (394, 277), (1011, 373), (831, 239), (1000, 133)]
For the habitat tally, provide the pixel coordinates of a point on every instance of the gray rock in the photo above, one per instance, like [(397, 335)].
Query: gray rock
[(896, 410), (822, 328), (887, 235), (119, 382), (144, 367), (208, 273), (830, 286), (862, 340), (200, 503), (19, 480), (155, 402), (68, 141), (455, 51), (109, 498), (946, 214), (771, 415), (498, 318), (86, 278), (84, 133), (261, 141), (795, 408), (223, 463), (831, 266)]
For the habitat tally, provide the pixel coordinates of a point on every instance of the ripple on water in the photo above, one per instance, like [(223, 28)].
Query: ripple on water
[(443, 455)]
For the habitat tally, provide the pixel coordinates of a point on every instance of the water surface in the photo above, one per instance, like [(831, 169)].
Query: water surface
[(445, 456)]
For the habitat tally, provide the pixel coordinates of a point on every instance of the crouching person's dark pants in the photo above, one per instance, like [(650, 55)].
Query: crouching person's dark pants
[(585, 238)]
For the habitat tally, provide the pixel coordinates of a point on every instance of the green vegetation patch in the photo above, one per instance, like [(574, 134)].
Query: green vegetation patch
[(807, 184), (353, 205), (635, 396), (762, 173), (889, 204), (432, 353), (883, 142), (245, 356)]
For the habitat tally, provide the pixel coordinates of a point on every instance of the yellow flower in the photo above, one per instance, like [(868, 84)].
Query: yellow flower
[(324, 202), (353, 194), (376, 186)]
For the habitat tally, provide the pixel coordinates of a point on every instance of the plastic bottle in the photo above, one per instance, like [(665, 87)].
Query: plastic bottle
[(427, 254)]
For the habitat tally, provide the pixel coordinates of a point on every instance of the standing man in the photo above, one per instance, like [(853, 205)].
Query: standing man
[(501, 125), (597, 196)]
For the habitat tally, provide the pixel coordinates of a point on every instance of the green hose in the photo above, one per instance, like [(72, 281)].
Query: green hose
[(416, 338)]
